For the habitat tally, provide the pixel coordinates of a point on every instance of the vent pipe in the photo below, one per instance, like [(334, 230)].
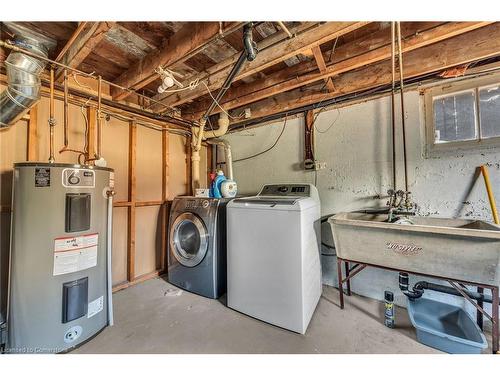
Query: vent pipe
[(23, 75)]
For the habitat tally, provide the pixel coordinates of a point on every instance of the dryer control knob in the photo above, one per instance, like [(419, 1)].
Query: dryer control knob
[(205, 204)]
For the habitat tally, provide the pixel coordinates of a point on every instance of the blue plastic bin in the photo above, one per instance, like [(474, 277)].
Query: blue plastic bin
[(445, 327)]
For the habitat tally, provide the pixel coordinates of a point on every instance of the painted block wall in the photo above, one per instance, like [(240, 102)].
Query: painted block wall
[(355, 142)]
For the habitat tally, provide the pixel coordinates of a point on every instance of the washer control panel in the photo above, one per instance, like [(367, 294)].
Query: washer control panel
[(286, 190), (197, 203)]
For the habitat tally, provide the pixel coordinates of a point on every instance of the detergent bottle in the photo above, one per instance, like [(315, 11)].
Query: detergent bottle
[(216, 185)]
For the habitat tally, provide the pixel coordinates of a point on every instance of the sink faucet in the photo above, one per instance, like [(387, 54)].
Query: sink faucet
[(400, 203)]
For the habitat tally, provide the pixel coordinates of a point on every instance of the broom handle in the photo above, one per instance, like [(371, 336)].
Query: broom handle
[(484, 170)]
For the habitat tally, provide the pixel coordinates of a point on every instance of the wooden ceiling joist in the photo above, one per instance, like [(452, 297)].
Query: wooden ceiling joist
[(229, 62), (79, 46), (182, 45), (289, 79), (320, 61), (271, 56), (473, 46)]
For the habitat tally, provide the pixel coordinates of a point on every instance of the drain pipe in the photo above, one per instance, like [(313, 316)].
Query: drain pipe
[(403, 286), (248, 54), (227, 154), (23, 75), (419, 288)]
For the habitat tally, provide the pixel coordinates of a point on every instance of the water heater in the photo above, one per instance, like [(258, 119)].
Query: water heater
[(60, 256)]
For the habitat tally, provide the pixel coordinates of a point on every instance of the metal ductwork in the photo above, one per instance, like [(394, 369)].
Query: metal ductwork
[(23, 74)]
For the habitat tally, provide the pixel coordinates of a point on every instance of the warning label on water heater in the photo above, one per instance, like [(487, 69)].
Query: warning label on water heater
[(72, 254)]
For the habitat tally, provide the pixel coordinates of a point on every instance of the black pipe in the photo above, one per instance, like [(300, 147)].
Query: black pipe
[(450, 290), (419, 288), (248, 53), (249, 44), (403, 285)]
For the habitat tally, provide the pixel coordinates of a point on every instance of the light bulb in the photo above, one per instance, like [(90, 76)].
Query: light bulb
[(168, 81)]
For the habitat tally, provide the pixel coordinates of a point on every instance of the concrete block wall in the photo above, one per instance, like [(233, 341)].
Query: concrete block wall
[(355, 142)]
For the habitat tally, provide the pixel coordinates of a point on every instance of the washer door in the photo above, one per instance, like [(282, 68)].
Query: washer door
[(189, 239)]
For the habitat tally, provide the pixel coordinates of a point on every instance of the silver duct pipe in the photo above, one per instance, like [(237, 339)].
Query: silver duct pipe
[(23, 76)]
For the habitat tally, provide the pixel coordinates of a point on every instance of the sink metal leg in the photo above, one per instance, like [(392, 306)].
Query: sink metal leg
[(495, 329), (348, 282), (479, 314), (341, 288)]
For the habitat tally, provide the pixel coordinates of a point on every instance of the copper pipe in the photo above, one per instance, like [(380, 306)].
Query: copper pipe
[(393, 103), (52, 120), (401, 88), (99, 117), (65, 124)]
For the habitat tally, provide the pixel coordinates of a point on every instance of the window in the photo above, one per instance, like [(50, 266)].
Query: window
[(463, 115)]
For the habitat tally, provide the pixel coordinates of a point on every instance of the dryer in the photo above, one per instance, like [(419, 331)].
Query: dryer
[(273, 255), (197, 245)]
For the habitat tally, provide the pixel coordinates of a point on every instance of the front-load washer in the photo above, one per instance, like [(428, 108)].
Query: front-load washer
[(273, 255), (197, 245)]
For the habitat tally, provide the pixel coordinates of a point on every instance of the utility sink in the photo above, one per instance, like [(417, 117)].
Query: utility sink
[(465, 250)]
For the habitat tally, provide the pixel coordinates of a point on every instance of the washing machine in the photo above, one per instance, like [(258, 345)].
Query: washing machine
[(197, 245), (273, 255)]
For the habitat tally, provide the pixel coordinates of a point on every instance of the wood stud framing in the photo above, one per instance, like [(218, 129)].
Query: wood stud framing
[(132, 162)]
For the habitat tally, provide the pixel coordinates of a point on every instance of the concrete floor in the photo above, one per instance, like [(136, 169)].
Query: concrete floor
[(156, 317)]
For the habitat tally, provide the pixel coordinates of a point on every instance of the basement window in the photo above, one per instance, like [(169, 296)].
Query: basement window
[(463, 115)]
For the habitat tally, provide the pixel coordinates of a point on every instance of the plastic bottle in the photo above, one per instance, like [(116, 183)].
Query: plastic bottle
[(389, 309), (228, 188), (216, 185), (211, 188)]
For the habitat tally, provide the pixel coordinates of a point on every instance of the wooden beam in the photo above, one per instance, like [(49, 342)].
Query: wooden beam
[(137, 280), (473, 46), (132, 160), (437, 34), (91, 132), (71, 40), (188, 41), (270, 56), (32, 149), (358, 47), (320, 61), (83, 45), (263, 44)]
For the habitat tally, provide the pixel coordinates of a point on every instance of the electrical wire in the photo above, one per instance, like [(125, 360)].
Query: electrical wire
[(218, 105), (269, 148)]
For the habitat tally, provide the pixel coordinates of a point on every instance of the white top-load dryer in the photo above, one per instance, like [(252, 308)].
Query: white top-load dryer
[(273, 255)]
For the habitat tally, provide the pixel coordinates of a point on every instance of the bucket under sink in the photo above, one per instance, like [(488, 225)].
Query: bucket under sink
[(445, 327)]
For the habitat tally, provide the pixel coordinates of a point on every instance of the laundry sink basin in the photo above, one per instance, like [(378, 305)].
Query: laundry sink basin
[(466, 250)]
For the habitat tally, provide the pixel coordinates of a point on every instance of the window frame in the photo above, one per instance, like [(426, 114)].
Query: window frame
[(430, 94)]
